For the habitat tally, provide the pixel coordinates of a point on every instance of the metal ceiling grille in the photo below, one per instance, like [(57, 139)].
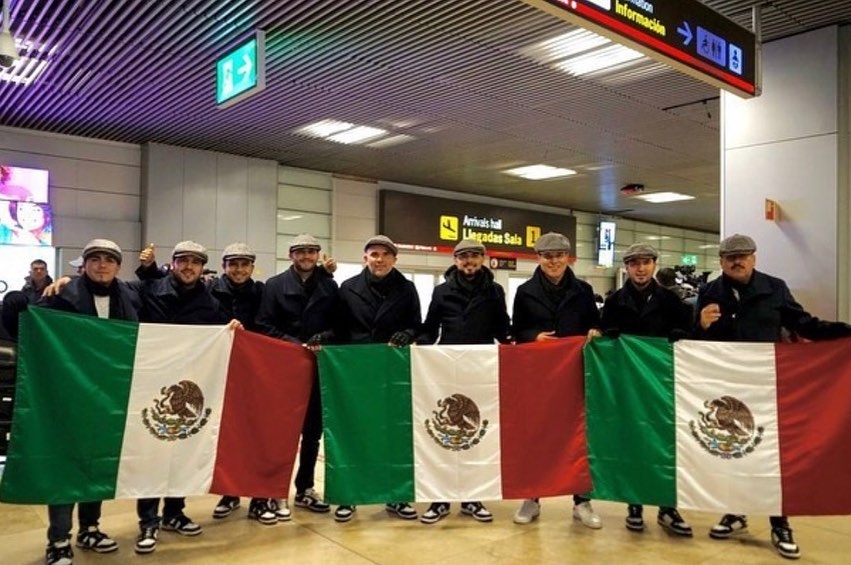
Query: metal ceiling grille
[(448, 74)]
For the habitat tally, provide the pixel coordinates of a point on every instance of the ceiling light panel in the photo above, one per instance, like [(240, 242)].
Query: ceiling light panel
[(540, 172), (663, 197)]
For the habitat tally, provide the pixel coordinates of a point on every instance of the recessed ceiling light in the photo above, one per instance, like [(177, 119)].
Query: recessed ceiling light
[(357, 135), (709, 246), (324, 128), (598, 60), (539, 172), (662, 197), (392, 140), (581, 52)]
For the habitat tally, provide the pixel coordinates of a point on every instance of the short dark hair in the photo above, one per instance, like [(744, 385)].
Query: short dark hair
[(39, 262), (666, 276)]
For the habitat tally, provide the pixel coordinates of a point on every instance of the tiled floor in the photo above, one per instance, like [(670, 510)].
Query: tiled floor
[(374, 537)]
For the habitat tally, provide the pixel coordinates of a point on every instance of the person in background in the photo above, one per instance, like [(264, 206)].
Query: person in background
[(468, 308), (646, 307), (667, 277), (78, 265), (744, 304), (37, 281), (551, 305), (379, 306)]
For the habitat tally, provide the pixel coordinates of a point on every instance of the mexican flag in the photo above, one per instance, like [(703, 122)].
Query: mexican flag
[(453, 423), (756, 428), (112, 409)]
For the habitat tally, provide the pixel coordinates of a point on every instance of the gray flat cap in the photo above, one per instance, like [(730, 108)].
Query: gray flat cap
[(102, 246), (640, 251), (188, 247), (469, 245), (304, 241), (381, 240), (238, 250), (552, 241), (737, 244)]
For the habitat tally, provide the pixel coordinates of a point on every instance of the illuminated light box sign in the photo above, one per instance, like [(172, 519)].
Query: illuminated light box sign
[(25, 223), (606, 244), (425, 223), (21, 183), (682, 33), (241, 72)]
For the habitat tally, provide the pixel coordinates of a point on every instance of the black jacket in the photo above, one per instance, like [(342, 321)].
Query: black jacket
[(76, 296), (461, 316), (534, 312), (290, 311), (32, 293), (370, 317), (662, 315), (164, 302), (764, 307), (240, 302)]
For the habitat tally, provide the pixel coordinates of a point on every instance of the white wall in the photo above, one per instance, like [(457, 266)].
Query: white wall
[(212, 198), (94, 190), (784, 145)]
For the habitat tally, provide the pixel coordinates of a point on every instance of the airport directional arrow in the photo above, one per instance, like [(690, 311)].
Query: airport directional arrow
[(685, 31)]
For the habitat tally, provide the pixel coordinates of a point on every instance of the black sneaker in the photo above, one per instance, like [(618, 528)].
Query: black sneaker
[(262, 511), (96, 541), (225, 507), (59, 553), (730, 525), (671, 520), (402, 509), (146, 542), (344, 513), (311, 500), (634, 519), (784, 543), (182, 525), (477, 510), (436, 512)]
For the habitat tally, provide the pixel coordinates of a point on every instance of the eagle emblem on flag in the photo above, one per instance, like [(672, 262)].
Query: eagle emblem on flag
[(179, 412), (457, 423), (727, 429)]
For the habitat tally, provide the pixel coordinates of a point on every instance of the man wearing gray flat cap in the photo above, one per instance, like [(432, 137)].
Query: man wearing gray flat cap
[(646, 308), (299, 306), (379, 305), (553, 304), (180, 297), (97, 292), (744, 304), (469, 307)]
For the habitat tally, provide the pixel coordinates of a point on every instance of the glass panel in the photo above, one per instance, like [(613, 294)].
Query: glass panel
[(513, 283), (295, 221), (305, 199), (425, 283)]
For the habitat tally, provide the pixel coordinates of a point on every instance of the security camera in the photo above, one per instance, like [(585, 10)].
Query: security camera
[(8, 51)]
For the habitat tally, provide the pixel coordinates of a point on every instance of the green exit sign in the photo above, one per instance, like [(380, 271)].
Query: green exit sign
[(241, 72), (688, 259)]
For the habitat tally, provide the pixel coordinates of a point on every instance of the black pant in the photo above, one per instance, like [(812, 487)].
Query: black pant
[(311, 432), (147, 510)]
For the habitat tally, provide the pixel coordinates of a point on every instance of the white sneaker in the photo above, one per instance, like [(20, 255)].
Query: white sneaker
[(282, 510), (528, 511), (585, 514)]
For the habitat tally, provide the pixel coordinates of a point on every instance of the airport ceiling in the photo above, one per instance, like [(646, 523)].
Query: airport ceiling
[(453, 78)]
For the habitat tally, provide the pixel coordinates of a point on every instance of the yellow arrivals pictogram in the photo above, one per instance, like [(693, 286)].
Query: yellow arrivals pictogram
[(449, 228), (532, 235)]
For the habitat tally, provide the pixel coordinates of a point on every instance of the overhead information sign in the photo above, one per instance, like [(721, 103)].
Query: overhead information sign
[(682, 33), (241, 72), (425, 223)]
